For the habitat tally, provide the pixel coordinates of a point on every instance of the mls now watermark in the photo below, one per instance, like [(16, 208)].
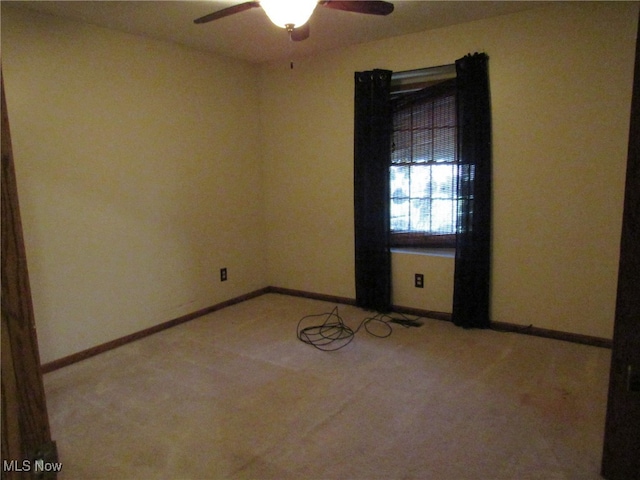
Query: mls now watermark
[(35, 466)]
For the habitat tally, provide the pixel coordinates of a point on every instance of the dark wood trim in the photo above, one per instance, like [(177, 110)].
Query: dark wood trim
[(435, 315), (351, 301), (554, 334), (98, 349), (26, 435), (421, 240), (498, 326), (621, 446), (418, 312), (313, 296)]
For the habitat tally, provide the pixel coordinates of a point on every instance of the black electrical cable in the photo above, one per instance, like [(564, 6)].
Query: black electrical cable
[(333, 334)]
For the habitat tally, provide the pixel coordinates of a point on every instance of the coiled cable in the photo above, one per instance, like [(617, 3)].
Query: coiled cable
[(333, 333)]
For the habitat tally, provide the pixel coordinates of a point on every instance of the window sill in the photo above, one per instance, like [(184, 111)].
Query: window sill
[(432, 252)]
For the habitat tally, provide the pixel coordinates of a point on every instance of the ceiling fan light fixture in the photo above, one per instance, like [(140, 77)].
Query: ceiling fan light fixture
[(289, 13)]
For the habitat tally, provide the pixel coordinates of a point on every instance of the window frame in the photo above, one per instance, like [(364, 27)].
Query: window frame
[(427, 84)]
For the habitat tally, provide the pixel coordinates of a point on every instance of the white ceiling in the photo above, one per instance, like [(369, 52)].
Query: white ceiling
[(251, 36)]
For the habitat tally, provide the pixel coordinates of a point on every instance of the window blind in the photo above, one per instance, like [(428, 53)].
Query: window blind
[(423, 168)]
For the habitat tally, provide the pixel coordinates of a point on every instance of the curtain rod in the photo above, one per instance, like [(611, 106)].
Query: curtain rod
[(424, 72)]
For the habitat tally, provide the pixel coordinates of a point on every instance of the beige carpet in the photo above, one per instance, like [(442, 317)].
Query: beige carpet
[(235, 395)]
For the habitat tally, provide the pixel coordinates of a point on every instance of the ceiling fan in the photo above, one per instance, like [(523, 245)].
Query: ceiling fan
[(293, 15)]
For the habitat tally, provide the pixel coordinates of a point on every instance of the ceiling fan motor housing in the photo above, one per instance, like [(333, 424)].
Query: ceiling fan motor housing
[(289, 14)]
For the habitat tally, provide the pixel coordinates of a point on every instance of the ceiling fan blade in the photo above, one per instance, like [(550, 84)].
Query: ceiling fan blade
[(374, 7), (300, 33), (225, 12)]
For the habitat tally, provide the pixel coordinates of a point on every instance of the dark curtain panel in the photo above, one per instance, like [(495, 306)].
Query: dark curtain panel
[(471, 292), (372, 147)]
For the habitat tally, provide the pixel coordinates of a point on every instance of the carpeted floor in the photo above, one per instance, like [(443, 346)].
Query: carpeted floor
[(235, 395)]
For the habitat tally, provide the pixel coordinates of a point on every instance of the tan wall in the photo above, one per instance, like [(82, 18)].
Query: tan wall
[(138, 174), (437, 293), (144, 167), (561, 87)]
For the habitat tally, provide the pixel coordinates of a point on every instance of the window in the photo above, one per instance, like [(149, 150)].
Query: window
[(423, 170)]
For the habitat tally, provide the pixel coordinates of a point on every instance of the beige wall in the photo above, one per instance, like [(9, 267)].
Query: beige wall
[(144, 167), (438, 270), (139, 177), (561, 87)]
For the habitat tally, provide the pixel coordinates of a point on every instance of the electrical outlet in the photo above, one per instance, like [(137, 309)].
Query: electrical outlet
[(419, 280), (223, 274)]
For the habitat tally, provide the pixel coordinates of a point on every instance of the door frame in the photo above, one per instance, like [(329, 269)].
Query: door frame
[(26, 435), (621, 451)]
